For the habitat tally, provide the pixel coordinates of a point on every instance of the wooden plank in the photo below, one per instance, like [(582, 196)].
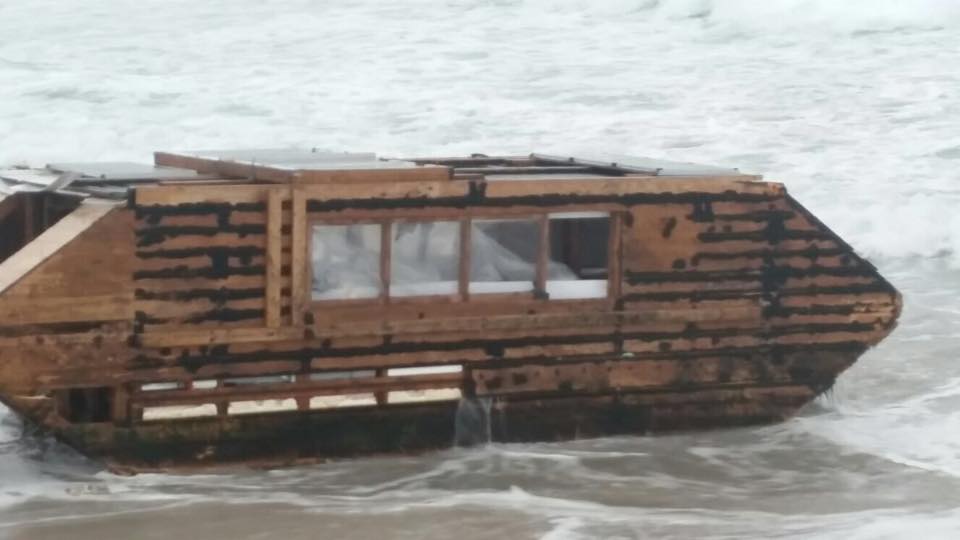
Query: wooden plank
[(466, 252), (183, 338), (626, 375), (353, 215), (626, 185), (300, 282), (402, 190), (428, 173), (386, 249), (51, 241), (300, 388), (543, 256), (274, 258), (614, 186), (120, 408), (478, 326), (43, 310), (205, 193), (254, 171), (233, 169), (176, 312), (159, 288), (615, 256)]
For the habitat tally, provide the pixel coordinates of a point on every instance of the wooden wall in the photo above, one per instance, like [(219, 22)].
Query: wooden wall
[(200, 263), (723, 283), (66, 302), (725, 286)]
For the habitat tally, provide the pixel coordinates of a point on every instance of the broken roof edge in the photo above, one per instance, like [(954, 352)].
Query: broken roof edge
[(112, 180), (642, 165)]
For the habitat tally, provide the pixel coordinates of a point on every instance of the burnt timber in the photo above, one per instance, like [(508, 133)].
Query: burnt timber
[(168, 316)]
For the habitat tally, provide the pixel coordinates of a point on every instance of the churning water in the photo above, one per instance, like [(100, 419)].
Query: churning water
[(855, 105)]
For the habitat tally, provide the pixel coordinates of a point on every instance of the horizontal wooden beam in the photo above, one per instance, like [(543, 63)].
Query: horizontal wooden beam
[(302, 388), (205, 193), (428, 173), (451, 325), (43, 310), (233, 169)]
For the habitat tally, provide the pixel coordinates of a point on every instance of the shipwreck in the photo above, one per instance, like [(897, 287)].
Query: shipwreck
[(276, 306)]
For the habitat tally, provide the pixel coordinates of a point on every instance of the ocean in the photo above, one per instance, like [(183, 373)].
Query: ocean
[(854, 105)]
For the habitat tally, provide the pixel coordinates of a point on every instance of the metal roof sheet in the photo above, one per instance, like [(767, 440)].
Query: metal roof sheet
[(645, 165)]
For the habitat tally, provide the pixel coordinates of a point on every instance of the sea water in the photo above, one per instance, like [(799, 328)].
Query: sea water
[(855, 105)]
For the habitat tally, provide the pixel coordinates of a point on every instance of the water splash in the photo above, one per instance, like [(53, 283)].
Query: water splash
[(472, 427)]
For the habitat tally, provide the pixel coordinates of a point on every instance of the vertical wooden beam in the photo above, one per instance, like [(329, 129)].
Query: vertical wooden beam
[(615, 255), (121, 404), (386, 246), (543, 257), (136, 413), (382, 397), (299, 255), (466, 252), (274, 258), (223, 407), (303, 402)]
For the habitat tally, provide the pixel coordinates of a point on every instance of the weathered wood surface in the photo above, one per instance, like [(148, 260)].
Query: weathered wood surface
[(49, 243), (327, 177), (287, 439), (727, 303)]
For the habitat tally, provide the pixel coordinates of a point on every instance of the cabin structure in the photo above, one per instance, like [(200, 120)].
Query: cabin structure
[(269, 307)]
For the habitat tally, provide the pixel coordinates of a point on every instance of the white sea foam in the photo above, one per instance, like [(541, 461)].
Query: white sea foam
[(775, 16)]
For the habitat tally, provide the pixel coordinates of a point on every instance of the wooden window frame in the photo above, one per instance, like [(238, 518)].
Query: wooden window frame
[(386, 222)]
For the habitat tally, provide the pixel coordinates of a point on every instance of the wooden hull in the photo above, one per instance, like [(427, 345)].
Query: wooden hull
[(270, 440), (726, 304)]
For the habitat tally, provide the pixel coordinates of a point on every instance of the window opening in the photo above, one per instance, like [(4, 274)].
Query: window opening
[(503, 255), (579, 255), (425, 258), (346, 261), (170, 412), (88, 405)]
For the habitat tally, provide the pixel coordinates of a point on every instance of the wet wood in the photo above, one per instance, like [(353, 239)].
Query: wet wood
[(71, 309), (300, 388), (50, 242), (274, 262), (300, 251), (726, 303), (373, 176)]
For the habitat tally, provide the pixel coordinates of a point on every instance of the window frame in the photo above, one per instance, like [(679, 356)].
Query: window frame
[(465, 220)]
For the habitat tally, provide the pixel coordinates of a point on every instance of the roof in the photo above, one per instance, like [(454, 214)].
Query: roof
[(114, 179)]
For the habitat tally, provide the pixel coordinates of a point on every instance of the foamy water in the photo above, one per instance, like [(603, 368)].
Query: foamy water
[(855, 105)]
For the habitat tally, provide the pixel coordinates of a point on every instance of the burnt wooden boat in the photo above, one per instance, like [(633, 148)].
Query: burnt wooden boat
[(275, 306)]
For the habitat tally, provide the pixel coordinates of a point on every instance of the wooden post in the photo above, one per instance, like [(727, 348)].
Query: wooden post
[(615, 255), (466, 252), (386, 246), (121, 404), (300, 285), (381, 397), (543, 258), (274, 258), (303, 402)]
